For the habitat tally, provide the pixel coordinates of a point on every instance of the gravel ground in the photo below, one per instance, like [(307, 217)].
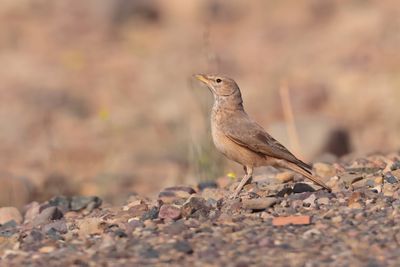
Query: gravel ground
[(278, 220)]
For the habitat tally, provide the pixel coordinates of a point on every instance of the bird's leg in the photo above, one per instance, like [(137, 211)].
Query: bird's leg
[(245, 180)]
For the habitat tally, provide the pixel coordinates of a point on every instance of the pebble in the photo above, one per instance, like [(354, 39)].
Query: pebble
[(47, 249), (295, 220), (350, 178), (169, 212), (82, 202), (183, 246), (302, 187), (354, 200), (89, 226), (285, 177), (151, 214), (324, 170), (207, 184), (186, 189), (310, 201), (10, 214), (47, 215), (337, 219), (176, 194), (390, 178), (138, 210), (258, 204), (323, 201), (32, 210), (196, 206)]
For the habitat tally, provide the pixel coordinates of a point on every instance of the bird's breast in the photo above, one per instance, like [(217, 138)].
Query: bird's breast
[(231, 149)]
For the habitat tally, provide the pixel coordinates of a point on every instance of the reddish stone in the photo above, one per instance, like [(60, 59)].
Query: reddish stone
[(296, 220)]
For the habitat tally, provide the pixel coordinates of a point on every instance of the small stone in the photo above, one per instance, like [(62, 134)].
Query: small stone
[(349, 178), (32, 210), (302, 187), (310, 233), (169, 212), (138, 210), (378, 180), (324, 170), (10, 214), (388, 190), (150, 253), (323, 201), (61, 202), (207, 184), (258, 203), (337, 219), (295, 220), (396, 166), (47, 249), (310, 201), (390, 178), (81, 202), (59, 226), (89, 226), (284, 192), (186, 189), (183, 246), (354, 200), (47, 215), (285, 177), (151, 214), (196, 207)]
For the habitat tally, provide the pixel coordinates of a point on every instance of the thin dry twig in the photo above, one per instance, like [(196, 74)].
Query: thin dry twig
[(289, 119)]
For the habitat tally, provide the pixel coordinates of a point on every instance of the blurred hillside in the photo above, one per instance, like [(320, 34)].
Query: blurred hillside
[(96, 97)]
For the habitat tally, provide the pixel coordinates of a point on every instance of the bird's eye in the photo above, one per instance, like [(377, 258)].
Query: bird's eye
[(218, 80)]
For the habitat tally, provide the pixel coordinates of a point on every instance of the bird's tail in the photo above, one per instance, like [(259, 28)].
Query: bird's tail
[(306, 173)]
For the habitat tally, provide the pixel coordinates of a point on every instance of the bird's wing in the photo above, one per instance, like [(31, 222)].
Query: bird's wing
[(247, 133)]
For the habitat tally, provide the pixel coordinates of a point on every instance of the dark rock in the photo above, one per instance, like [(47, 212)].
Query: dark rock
[(151, 214), (54, 234), (395, 165), (285, 191), (8, 229), (61, 202), (186, 189), (183, 246), (389, 177), (196, 207), (207, 184), (120, 233), (149, 252), (81, 202), (302, 187)]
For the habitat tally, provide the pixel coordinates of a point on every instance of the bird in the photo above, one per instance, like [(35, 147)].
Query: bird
[(243, 140)]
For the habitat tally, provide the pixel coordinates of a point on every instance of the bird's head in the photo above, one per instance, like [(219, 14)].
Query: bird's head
[(220, 86)]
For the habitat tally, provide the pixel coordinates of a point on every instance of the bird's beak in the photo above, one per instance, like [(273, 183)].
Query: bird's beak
[(202, 78)]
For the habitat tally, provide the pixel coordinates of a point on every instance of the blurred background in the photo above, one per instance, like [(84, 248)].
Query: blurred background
[(97, 97)]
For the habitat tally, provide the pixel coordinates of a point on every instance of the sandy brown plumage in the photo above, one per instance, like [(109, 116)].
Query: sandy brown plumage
[(241, 139)]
